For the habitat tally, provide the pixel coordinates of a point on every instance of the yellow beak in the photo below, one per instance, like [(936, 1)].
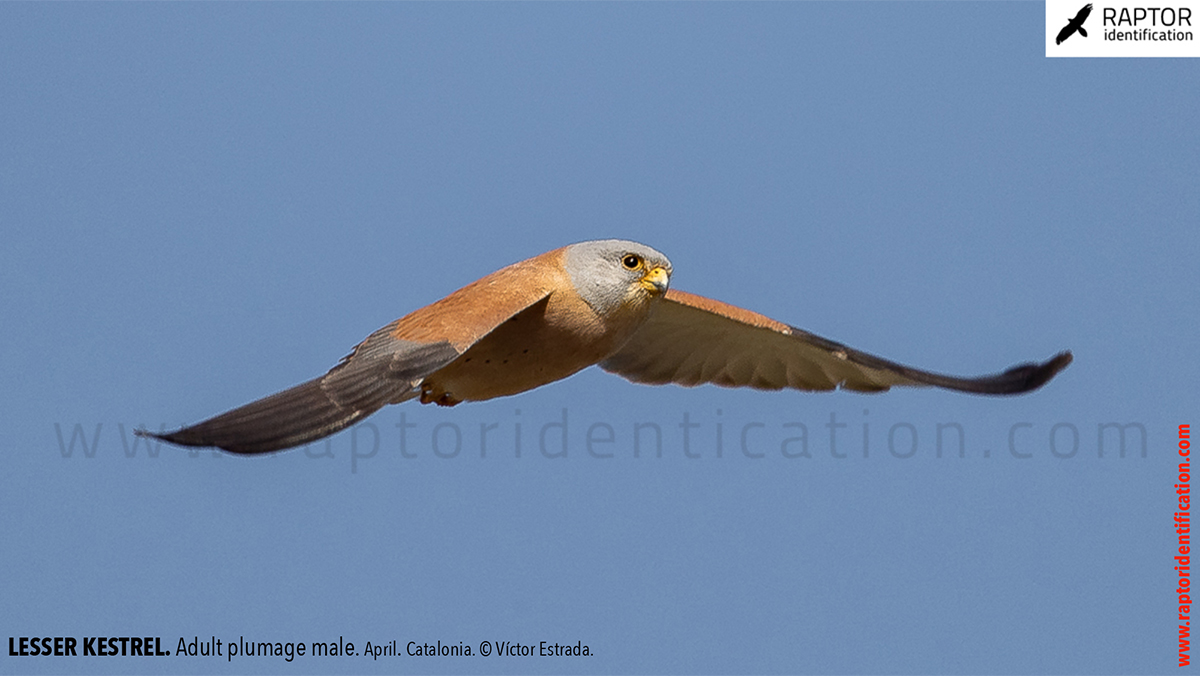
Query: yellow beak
[(655, 280)]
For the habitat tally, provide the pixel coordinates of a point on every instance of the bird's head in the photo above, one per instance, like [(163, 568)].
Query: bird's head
[(613, 274)]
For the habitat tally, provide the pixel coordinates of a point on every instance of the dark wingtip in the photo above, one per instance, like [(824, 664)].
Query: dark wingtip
[(1061, 360), (1019, 379), (1029, 377), (177, 437), (145, 433), (285, 419)]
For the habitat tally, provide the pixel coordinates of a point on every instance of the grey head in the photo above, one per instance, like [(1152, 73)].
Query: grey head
[(606, 272)]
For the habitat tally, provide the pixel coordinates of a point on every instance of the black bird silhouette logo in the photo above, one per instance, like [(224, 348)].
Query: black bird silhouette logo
[(1075, 24)]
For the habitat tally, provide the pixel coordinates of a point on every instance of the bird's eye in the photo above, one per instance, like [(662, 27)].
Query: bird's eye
[(631, 262)]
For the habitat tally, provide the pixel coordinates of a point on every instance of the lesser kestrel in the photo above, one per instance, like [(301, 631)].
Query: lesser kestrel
[(604, 302)]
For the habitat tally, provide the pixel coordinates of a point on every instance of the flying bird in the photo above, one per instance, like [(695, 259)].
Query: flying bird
[(1075, 24), (603, 302)]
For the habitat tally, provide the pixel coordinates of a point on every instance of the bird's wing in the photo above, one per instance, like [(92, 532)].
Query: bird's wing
[(1083, 14), (386, 368), (381, 370), (690, 340), (1065, 33)]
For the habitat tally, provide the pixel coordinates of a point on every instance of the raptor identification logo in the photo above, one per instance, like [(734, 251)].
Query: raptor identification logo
[(1123, 28)]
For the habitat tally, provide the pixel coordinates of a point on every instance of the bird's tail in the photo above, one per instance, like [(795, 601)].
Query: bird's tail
[(1082, 31)]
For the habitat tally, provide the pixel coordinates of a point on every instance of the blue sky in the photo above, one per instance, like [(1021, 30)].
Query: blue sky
[(202, 204)]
